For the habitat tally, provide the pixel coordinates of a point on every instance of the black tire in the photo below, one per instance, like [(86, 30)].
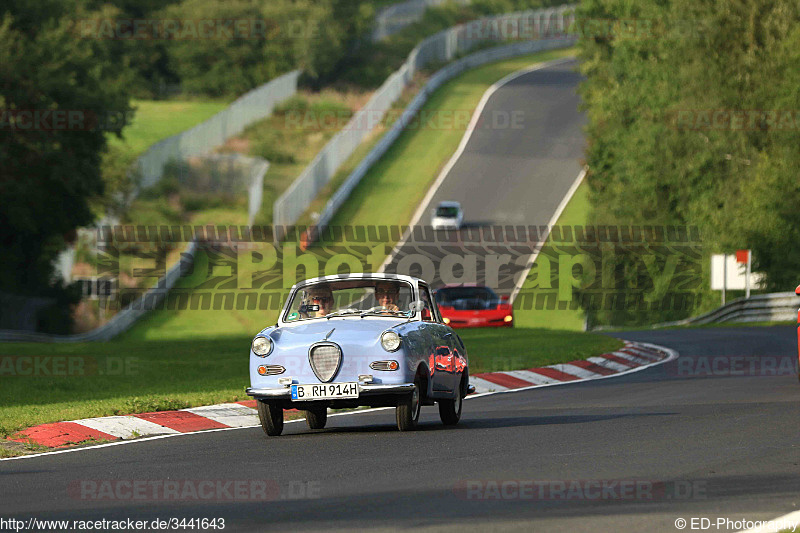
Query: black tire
[(317, 418), (450, 410), (408, 409), (271, 416)]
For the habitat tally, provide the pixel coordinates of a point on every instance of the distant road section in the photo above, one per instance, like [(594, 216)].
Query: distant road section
[(519, 163)]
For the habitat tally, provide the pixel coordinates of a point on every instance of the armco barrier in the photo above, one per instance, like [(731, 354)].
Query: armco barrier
[(442, 47), (773, 307), (249, 108), (436, 81), (260, 102)]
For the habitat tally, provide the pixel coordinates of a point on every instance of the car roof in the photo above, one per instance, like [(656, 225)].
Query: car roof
[(449, 204), (360, 275)]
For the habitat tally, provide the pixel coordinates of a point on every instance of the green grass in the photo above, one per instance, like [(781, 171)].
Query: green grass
[(155, 120), (189, 358), (520, 348), (405, 173), (142, 376), (292, 137), (122, 378), (525, 314), (400, 180)]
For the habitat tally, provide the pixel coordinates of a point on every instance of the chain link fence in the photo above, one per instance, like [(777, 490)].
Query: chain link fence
[(394, 18), (532, 28), (232, 174), (260, 103), (252, 107)]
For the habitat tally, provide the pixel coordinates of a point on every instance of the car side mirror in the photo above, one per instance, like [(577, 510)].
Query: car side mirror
[(797, 290), (416, 306), (504, 298)]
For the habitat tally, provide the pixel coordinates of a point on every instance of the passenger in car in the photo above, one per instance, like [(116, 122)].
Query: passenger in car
[(321, 296), (387, 294)]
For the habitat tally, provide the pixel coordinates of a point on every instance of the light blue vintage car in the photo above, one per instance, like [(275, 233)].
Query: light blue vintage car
[(358, 340)]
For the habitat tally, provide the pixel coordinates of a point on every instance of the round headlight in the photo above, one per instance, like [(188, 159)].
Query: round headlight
[(390, 341), (262, 346)]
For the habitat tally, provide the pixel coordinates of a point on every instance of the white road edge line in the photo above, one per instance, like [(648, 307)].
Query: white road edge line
[(415, 219), (672, 355), (789, 520), (546, 235), (460, 150)]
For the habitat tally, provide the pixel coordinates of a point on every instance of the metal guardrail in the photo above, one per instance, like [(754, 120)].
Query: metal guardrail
[(441, 47), (260, 102), (436, 81), (774, 307)]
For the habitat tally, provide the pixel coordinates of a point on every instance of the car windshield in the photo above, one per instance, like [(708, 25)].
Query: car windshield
[(449, 295), (447, 212), (364, 297)]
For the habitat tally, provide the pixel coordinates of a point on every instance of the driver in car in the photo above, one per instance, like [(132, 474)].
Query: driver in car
[(387, 294), (321, 296)]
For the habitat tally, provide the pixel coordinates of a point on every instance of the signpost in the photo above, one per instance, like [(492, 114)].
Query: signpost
[(733, 272)]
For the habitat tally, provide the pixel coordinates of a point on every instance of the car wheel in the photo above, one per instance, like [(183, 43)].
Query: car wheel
[(317, 418), (408, 410), (271, 416), (450, 410)]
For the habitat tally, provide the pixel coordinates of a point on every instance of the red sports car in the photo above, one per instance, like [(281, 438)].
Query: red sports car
[(474, 306)]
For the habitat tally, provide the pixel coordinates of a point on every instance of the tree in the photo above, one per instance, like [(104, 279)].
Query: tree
[(655, 154), (56, 91)]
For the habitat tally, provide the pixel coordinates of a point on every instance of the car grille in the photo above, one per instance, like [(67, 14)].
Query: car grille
[(325, 360)]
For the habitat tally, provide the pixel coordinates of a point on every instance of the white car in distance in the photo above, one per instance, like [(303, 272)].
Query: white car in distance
[(447, 215)]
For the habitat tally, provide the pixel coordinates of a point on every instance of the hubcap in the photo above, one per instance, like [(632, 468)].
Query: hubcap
[(458, 402)]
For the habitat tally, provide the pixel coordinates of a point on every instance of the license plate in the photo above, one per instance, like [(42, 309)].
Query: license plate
[(324, 391)]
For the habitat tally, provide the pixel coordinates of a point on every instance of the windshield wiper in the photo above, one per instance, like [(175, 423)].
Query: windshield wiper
[(384, 312), (343, 312)]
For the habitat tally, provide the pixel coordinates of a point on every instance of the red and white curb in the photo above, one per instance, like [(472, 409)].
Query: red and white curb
[(632, 357), (112, 428)]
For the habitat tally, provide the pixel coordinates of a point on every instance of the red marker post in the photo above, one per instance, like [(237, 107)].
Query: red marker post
[(745, 257)]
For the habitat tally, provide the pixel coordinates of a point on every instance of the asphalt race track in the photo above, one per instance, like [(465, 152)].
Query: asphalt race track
[(520, 162), (711, 434), (723, 445)]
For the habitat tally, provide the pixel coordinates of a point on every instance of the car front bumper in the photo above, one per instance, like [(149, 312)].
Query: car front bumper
[(366, 389)]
